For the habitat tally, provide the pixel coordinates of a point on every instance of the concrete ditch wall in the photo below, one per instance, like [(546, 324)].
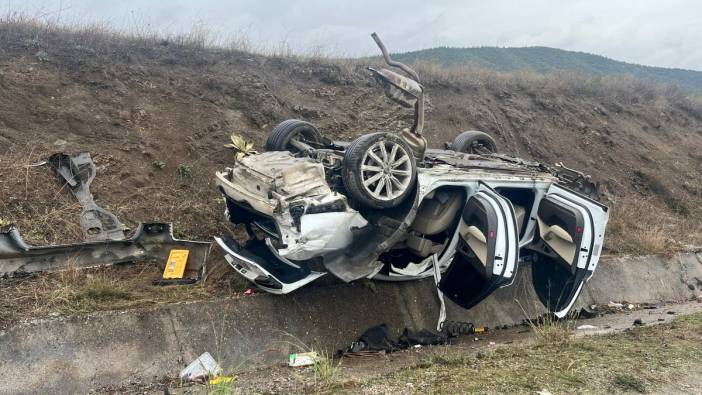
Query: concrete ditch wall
[(74, 355)]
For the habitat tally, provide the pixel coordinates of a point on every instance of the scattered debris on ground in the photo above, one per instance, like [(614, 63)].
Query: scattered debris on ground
[(104, 239), (201, 369), (507, 361), (303, 359)]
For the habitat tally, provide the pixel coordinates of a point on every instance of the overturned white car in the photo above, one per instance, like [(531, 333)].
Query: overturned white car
[(387, 208)]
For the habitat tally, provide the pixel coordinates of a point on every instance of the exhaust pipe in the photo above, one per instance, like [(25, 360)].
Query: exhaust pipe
[(414, 137)]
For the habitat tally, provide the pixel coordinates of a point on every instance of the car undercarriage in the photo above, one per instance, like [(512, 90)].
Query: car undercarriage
[(387, 208)]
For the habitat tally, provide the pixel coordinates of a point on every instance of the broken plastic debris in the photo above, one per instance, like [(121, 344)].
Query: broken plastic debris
[(201, 368), (584, 327), (615, 305), (303, 359), (248, 292)]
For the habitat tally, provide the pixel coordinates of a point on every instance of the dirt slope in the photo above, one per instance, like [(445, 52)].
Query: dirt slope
[(133, 103)]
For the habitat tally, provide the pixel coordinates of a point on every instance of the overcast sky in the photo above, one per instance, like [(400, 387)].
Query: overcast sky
[(664, 33)]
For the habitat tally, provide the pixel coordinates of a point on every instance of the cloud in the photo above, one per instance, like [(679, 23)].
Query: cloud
[(652, 32)]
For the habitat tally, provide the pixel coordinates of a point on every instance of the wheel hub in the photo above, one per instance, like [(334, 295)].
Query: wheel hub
[(386, 170)]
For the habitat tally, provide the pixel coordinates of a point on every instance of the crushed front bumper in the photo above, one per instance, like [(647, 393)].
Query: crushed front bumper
[(259, 263)]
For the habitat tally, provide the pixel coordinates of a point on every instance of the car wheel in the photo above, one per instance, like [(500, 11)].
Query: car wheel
[(474, 142), (286, 131), (379, 170)]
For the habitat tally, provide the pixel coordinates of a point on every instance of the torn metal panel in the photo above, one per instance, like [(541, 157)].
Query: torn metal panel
[(79, 171), (323, 232), (151, 241)]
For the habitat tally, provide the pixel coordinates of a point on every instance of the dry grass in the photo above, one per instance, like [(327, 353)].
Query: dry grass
[(73, 292), (32, 199), (621, 89), (548, 329), (639, 360), (638, 226), (103, 37)]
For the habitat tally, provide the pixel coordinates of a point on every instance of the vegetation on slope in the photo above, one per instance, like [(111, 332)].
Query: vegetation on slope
[(135, 102), (545, 60)]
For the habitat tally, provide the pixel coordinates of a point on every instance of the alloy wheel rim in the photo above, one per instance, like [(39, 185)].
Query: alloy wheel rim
[(386, 170)]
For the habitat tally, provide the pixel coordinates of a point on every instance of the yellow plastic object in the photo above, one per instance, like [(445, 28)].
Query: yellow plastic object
[(221, 380), (175, 266)]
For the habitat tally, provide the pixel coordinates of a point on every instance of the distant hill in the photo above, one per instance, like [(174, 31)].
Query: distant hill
[(545, 59)]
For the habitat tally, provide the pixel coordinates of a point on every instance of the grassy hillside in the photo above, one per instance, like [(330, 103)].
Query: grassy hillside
[(544, 59), (136, 102)]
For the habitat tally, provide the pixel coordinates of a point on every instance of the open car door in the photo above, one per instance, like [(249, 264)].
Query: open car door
[(488, 250), (571, 231)]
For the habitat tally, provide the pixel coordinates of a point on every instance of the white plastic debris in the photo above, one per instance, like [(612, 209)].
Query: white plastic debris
[(204, 366), (303, 359), (585, 327), (615, 305)]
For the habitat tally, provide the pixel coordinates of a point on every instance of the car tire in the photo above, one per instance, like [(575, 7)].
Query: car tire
[(474, 142), (279, 139), (374, 159)]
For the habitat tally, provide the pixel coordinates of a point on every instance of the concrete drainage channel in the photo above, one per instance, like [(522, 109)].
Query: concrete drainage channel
[(77, 354)]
